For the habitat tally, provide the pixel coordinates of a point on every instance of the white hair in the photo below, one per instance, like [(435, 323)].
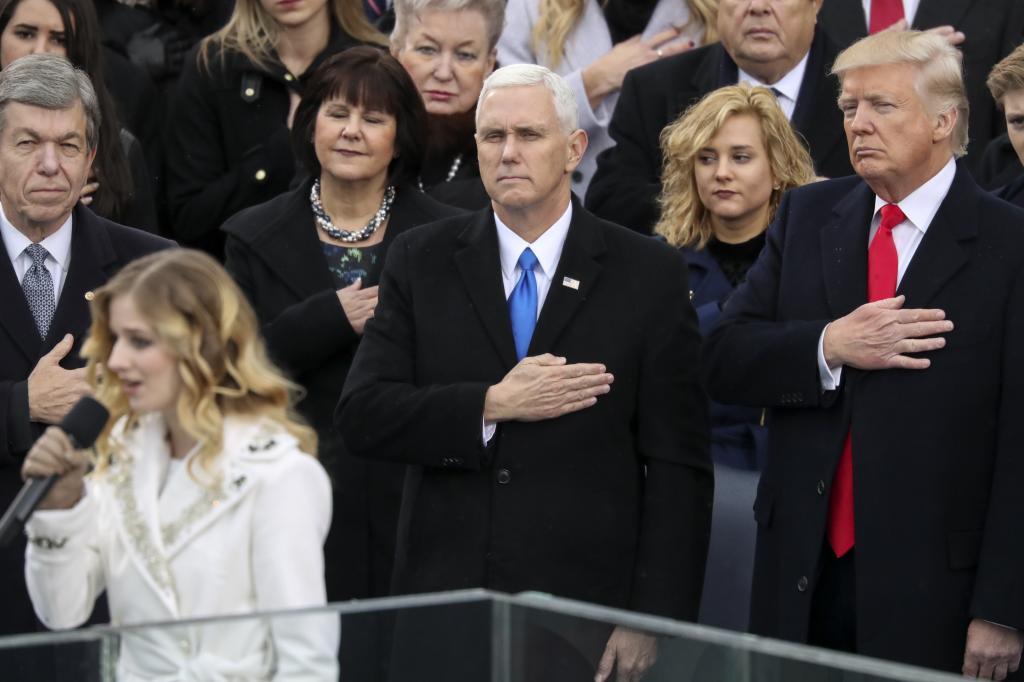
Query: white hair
[(493, 12), (520, 75)]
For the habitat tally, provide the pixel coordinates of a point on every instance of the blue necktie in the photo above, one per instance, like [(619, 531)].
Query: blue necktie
[(522, 303)]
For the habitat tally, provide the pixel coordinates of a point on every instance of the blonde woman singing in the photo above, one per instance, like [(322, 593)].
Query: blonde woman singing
[(203, 501)]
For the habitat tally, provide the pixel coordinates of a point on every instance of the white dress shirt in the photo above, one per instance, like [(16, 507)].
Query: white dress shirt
[(57, 244), (919, 207), (548, 250), (787, 88), (909, 11)]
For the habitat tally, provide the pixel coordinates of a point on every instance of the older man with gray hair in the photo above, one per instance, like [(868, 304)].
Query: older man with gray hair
[(883, 326), (57, 252), (537, 368)]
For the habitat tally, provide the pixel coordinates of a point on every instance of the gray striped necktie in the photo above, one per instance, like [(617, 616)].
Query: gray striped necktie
[(38, 286)]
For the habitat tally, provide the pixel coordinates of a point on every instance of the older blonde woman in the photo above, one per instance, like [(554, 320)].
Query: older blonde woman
[(1006, 83), (448, 48), (593, 44), (728, 160), (203, 501)]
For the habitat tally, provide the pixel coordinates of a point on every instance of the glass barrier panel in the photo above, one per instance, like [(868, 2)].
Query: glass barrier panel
[(465, 636)]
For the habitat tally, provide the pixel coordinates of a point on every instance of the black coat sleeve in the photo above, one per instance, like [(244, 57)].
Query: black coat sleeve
[(672, 440), (752, 358), (383, 412), (302, 336), (141, 209), (204, 185), (625, 186)]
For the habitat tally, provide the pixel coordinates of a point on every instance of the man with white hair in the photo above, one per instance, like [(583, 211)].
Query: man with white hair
[(884, 327), (537, 367)]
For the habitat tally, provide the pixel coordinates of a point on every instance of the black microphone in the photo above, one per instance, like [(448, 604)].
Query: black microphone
[(83, 425)]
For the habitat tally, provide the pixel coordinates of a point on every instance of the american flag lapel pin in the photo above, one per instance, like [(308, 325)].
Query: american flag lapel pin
[(571, 283)]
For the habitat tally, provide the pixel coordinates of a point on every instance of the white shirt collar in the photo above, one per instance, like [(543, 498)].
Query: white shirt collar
[(788, 85), (547, 248), (57, 244), (921, 205)]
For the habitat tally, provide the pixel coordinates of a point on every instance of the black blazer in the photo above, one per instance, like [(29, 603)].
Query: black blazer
[(610, 504), (628, 178), (993, 28), (99, 248), (226, 144), (274, 254), (936, 452), (1012, 191)]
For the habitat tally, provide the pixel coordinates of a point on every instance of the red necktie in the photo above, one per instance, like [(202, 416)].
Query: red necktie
[(882, 270), (884, 13)]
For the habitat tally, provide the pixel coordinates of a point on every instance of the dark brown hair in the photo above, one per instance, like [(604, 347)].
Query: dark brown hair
[(370, 78)]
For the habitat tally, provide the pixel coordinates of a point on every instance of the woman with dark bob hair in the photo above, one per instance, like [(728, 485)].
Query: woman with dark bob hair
[(310, 261), (226, 143)]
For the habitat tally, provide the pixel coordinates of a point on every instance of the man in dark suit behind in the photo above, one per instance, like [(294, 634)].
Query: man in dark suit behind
[(532, 470), (889, 513), (774, 44), (56, 254)]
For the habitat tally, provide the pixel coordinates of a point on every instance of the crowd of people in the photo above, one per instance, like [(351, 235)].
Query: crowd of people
[(389, 298)]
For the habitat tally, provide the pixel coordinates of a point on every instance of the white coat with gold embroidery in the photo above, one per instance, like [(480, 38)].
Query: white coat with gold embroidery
[(165, 546)]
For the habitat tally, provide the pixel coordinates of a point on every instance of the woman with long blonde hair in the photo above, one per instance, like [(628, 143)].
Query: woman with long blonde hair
[(593, 43), (727, 162), (227, 143), (202, 501)]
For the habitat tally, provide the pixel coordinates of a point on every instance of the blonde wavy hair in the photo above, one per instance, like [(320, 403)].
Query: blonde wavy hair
[(200, 316), (684, 219), (252, 32), (557, 19)]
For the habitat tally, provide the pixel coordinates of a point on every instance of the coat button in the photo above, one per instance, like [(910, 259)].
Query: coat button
[(288, 77), (89, 295), (504, 476), (261, 175), (250, 92), (801, 585), (821, 487)]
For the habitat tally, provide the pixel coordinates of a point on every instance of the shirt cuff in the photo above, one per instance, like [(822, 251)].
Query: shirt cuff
[(829, 376), (488, 430), (1006, 627)]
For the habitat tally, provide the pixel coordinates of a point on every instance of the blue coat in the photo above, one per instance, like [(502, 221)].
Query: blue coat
[(738, 438)]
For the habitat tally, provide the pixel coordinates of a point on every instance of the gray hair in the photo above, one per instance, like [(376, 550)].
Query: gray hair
[(493, 12), (50, 82), (520, 75), (940, 82)]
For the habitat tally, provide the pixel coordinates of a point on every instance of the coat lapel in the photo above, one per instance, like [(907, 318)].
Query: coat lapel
[(844, 251), (717, 70), (17, 318), (941, 253), (91, 257), (194, 506), (291, 249), (818, 93), (932, 13), (134, 480), (580, 261), (479, 265)]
